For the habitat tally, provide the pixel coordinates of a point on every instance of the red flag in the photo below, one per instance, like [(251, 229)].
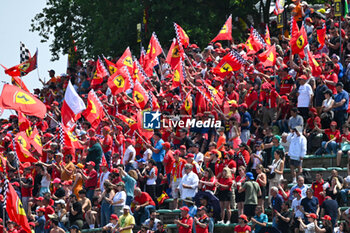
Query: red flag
[(268, 57), (256, 41), (138, 73), (126, 60), (181, 36), (70, 140), (100, 73), (154, 50), (14, 209), (22, 148), (142, 57), (112, 68), (316, 69), (24, 67), (321, 36), (232, 61), (188, 103), (3, 163), (94, 111), (24, 123), (140, 95), (120, 81), (298, 42), (267, 36), (35, 141), (248, 45), (16, 81), (129, 121), (225, 32), (174, 54), (178, 75), (17, 99), (294, 27), (154, 101)]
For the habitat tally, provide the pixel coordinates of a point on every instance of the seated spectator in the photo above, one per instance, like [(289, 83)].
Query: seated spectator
[(260, 220), (143, 204), (112, 225), (152, 222), (310, 203), (126, 222), (185, 223), (242, 224), (333, 136)]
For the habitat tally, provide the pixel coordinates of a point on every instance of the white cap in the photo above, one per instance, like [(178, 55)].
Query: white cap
[(126, 207)]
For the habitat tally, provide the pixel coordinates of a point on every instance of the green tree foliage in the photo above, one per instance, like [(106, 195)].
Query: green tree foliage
[(109, 26)]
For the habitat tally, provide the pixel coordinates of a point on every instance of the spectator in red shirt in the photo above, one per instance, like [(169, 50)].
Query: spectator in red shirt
[(224, 185), (90, 179), (317, 186), (333, 135), (331, 77), (168, 160), (344, 143), (269, 97), (107, 144), (310, 131), (202, 222), (251, 98), (207, 183), (185, 223), (143, 203), (27, 183), (242, 226)]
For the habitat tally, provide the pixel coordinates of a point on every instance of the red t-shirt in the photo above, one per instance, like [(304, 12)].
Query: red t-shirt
[(143, 198), (347, 137), (219, 166), (203, 219), (311, 122), (92, 182), (27, 192), (332, 76), (225, 181), (107, 144), (287, 193), (270, 98), (332, 134), (168, 161), (244, 229), (251, 96), (287, 84), (318, 187), (187, 220), (206, 187)]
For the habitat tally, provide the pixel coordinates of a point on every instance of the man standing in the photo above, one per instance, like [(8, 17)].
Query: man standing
[(340, 106), (107, 144), (310, 203), (68, 169), (276, 202), (27, 183), (252, 191), (94, 153), (104, 175), (126, 222), (305, 95), (283, 218), (317, 186), (129, 155), (90, 179), (176, 176), (297, 150), (158, 150), (189, 183), (185, 223), (246, 121)]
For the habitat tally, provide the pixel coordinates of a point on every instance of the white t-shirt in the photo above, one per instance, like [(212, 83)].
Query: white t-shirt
[(127, 154), (146, 153), (310, 228), (305, 93), (295, 204), (199, 157), (152, 181), (120, 196), (256, 161)]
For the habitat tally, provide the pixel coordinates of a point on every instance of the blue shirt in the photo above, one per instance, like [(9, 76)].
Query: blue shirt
[(277, 202), (159, 157), (40, 228), (246, 118), (262, 218), (341, 70), (129, 185), (338, 97)]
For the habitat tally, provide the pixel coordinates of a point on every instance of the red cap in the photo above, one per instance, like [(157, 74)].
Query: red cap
[(308, 19), (183, 147), (327, 217), (298, 190), (55, 103), (32, 224), (312, 215), (166, 144), (91, 163), (39, 199), (107, 128), (93, 139), (303, 77), (334, 123), (130, 141), (119, 127), (41, 210), (56, 181), (266, 85), (91, 130), (15, 184), (313, 110), (114, 216), (285, 98), (234, 105), (177, 152), (185, 208), (104, 164), (26, 165), (199, 81), (176, 97), (189, 155), (244, 105), (194, 46), (48, 135), (214, 151), (244, 217)]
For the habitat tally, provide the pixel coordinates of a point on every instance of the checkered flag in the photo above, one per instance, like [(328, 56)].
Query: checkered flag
[(14, 149), (61, 134), (258, 37), (5, 190), (150, 96), (24, 55), (235, 55)]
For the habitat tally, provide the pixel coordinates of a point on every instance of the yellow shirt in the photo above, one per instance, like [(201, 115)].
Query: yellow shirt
[(125, 221)]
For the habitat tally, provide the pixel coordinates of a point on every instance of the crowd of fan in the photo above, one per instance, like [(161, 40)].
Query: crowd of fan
[(276, 116)]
